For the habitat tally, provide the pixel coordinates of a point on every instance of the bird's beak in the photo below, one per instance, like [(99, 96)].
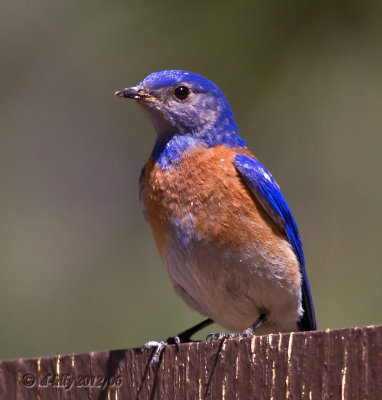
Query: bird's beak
[(135, 92)]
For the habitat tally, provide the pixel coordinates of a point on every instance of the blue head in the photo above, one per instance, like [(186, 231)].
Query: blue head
[(186, 110)]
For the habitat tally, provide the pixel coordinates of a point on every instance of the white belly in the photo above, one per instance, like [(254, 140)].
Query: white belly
[(234, 289)]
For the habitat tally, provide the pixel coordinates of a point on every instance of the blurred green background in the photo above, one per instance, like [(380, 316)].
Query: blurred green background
[(79, 270)]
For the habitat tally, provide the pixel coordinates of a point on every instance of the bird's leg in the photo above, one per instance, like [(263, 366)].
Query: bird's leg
[(185, 336), (245, 333), (182, 337)]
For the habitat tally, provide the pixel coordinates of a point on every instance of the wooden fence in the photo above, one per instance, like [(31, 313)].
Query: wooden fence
[(332, 364)]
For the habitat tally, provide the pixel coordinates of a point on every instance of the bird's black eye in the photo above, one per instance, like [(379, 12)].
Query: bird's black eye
[(182, 92)]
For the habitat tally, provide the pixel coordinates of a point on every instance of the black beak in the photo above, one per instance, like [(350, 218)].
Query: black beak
[(134, 92)]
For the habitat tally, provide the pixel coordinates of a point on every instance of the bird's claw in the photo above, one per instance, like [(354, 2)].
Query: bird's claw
[(160, 346), (219, 336)]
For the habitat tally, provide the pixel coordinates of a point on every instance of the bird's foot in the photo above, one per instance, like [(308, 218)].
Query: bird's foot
[(183, 337), (218, 336), (161, 344), (245, 333)]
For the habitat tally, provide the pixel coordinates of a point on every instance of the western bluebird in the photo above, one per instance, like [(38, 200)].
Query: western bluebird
[(223, 229)]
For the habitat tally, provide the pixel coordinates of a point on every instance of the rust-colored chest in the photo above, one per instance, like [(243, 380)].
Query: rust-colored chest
[(203, 194)]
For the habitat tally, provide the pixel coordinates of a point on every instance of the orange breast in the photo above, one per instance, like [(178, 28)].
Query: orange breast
[(204, 194)]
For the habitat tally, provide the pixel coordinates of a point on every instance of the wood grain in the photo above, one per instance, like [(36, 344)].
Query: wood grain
[(332, 364)]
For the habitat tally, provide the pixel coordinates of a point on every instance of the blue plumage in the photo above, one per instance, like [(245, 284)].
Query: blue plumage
[(168, 152), (223, 257), (208, 122), (268, 193), (168, 78)]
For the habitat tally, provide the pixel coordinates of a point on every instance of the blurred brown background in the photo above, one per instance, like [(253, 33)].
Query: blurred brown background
[(79, 270)]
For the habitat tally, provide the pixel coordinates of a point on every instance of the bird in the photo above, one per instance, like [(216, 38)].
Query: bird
[(224, 231)]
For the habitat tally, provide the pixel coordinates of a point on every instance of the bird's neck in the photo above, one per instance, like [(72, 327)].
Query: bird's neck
[(170, 146)]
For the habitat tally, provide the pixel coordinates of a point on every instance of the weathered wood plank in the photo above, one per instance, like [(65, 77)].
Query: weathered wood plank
[(331, 364)]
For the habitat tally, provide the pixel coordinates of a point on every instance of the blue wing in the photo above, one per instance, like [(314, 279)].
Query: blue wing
[(269, 195)]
